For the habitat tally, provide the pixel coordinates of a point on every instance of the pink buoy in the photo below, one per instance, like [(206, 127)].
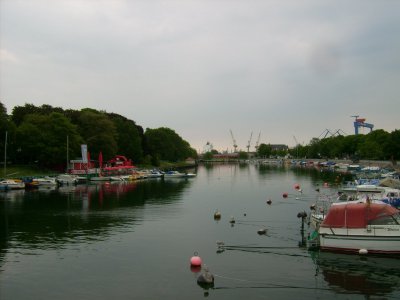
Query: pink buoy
[(297, 186), (326, 184), (285, 195), (195, 260)]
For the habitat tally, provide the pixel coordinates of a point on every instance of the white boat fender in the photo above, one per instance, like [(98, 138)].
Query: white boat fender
[(363, 251)]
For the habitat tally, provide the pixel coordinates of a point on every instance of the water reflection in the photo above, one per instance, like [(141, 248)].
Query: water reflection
[(355, 274), (52, 218)]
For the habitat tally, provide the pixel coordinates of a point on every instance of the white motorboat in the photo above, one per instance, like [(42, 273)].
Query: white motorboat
[(101, 178), (67, 179), (361, 227), (46, 181), (11, 184), (176, 174)]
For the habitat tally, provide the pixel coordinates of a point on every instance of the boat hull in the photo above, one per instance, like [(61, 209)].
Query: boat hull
[(374, 240)]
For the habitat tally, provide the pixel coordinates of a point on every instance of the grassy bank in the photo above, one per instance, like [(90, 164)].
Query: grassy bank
[(23, 171)]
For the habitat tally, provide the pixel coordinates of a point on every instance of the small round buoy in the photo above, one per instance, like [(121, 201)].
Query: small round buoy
[(232, 220), (206, 279), (244, 214), (195, 260), (302, 214), (285, 195), (296, 186), (317, 190), (262, 231), (269, 201), (326, 184), (363, 251), (217, 215)]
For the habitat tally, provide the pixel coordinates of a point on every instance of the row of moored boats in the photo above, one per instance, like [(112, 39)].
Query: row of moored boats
[(70, 179)]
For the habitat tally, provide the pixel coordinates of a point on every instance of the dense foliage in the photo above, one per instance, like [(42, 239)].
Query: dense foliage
[(377, 145), (42, 135)]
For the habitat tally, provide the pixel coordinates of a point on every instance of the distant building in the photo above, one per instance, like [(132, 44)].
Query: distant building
[(279, 147)]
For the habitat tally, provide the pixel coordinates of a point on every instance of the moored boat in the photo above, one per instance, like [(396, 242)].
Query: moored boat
[(11, 184), (361, 228), (45, 181), (67, 179), (176, 174)]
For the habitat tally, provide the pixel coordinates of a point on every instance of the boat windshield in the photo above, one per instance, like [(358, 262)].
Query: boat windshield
[(387, 220)]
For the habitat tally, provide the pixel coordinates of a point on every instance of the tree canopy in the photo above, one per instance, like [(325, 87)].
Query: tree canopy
[(38, 135)]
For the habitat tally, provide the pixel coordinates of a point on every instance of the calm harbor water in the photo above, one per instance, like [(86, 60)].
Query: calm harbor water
[(135, 240)]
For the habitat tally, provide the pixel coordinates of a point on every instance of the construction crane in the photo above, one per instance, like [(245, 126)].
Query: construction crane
[(295, 140), (234, 142), (327, 132), (360, 122), (297, 146), (258, 141), (248, 144)]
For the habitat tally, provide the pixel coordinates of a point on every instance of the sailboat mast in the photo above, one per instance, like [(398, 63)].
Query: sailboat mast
[(67, 153), (5, 156)]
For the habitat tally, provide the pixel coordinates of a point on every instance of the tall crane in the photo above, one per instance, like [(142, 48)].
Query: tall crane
[(360, 122), (295, 140), (258, 141), (248, 144), (297, 146), (234, 142)]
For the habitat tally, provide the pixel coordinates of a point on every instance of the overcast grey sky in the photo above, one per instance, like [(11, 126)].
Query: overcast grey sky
[(282, 68)]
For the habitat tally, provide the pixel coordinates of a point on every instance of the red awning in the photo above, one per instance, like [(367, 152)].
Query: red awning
[(356, 215)]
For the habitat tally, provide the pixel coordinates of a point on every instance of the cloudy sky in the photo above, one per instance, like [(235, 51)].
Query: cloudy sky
[(286, 70)]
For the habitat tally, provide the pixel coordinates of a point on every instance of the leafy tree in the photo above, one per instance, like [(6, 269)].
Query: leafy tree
[(19, 112), (6, 125), (42, 139), (128, 139), (264, 150), (208, 155), (393, 147), (98, 132), (166, 144), (243, 155)]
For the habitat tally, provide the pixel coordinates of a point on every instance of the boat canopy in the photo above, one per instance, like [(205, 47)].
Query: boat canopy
[(359, 215)]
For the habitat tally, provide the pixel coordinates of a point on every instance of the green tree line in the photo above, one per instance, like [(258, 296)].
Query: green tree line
[(41, 135), (376, 145)]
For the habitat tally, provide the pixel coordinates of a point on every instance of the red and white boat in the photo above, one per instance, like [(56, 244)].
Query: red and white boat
[(361, 228)]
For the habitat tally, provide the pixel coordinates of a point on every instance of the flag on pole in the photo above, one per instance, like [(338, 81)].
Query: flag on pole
[(84, 154), (100, 160)]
